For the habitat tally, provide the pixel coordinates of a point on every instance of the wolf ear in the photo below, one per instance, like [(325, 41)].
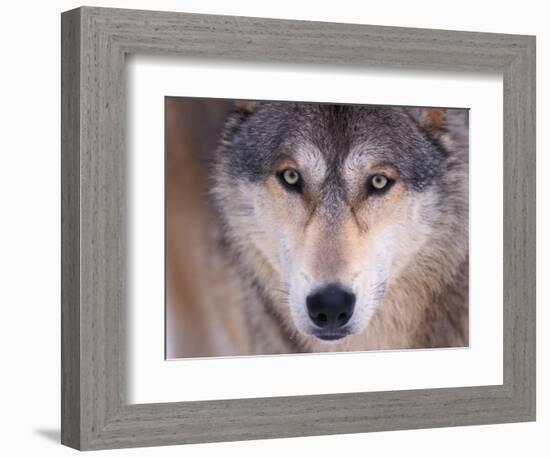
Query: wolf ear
[(246, 106), (433, 120), (448, 126)]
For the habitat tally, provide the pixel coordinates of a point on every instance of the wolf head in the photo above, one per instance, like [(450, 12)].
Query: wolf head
[(327, 207)]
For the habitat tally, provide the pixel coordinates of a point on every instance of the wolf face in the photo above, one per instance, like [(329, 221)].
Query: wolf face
[(326, 206)]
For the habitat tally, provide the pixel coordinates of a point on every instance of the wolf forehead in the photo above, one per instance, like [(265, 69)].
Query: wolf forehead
[(254, 142)]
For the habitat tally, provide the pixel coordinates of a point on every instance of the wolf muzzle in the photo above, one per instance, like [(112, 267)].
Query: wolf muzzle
[(330, 308)]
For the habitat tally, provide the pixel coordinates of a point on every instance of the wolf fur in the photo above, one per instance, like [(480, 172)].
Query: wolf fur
[(404, 254)]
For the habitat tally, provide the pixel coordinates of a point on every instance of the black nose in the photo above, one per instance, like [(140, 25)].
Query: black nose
[(330, 307)]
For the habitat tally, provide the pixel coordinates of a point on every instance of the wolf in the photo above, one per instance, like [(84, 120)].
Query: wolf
[(346, 226)]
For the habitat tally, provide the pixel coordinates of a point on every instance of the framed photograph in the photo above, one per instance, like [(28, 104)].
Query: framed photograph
[(277, 228)]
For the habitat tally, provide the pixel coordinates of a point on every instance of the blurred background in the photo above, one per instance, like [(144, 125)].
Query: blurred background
[(202, 318)]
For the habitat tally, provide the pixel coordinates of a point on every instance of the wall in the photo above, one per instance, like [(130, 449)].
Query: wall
[(29, 233)]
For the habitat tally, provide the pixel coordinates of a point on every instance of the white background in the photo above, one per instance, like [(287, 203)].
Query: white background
[(155, 380), (29, 230)]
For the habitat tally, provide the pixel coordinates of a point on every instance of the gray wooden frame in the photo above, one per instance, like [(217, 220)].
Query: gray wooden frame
[(95, 41)]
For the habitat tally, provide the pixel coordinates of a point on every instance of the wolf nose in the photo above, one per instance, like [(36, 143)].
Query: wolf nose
[(330, 307)]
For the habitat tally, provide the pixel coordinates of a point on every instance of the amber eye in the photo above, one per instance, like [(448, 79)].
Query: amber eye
[(291, 179), (291, 176), (379, 181), (379, 184)]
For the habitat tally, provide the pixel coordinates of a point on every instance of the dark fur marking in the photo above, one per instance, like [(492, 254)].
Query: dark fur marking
[(256, 141)]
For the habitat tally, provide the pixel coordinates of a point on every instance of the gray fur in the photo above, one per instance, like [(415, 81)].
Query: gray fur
[(274, 129), (431, 161)]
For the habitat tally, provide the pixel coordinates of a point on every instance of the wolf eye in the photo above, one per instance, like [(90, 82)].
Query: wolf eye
[(291, 176), (378, 183), (291, 179)]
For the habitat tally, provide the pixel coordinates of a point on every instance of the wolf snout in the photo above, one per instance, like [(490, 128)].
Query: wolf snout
[(330, 308)]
